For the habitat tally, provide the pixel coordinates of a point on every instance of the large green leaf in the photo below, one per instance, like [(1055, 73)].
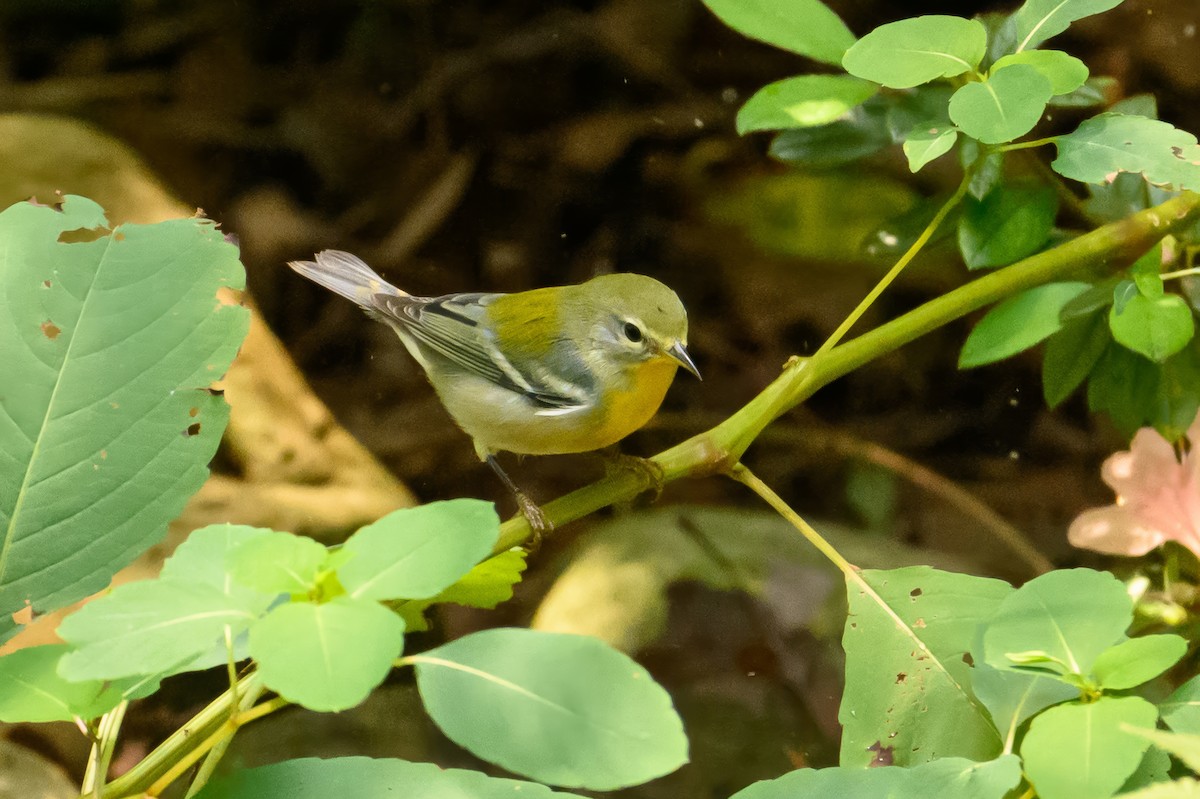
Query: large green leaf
[(1018, 323), (1003, 107), (33, 690), (1007, 224), (1013, 697), (1184, 746), (149, 627), (365, 778), (1181, 710), (913, 51), (1062, 621), (106, 426), (806, 27), (947, 777), (1104, 146), (562, 709), (907, 678), (1078, 749), (802, 102), (1038, 20), (1138, 660), (326, 657), (414, 553)]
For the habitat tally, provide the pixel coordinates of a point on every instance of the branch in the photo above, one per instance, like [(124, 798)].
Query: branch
[(1113, 246)]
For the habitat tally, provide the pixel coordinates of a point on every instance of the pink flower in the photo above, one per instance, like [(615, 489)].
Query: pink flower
[(1158, 499)]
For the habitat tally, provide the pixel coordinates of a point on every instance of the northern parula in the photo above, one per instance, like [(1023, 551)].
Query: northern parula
[(540, 372)]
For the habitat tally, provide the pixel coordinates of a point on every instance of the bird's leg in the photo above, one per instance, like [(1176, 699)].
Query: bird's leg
[(538, 523), (651, 472)]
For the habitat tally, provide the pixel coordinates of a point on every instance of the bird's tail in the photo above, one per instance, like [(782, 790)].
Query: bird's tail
[(347, 275)]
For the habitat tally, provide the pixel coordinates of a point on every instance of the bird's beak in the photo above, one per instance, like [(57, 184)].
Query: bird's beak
[(679, 354)]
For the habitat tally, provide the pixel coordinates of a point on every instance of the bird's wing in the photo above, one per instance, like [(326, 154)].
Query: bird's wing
[(453, 327)]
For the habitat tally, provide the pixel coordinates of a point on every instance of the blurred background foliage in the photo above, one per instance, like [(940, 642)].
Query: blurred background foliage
[(509, 144)]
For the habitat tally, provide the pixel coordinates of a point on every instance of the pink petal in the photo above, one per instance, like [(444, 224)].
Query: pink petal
[(1138, 473), (1113, 530)]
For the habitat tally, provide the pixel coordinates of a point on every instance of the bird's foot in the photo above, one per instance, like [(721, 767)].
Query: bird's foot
[(650, 472), (539, 525)]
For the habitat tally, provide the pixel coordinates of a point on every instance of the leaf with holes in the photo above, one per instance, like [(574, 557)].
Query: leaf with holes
[(947, 777), (1105, 146), (561, 709), (106, 425), (907, 639), (913, 51), (806, 27)]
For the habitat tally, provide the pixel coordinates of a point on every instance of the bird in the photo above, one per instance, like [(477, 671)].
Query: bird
[(547, 371)]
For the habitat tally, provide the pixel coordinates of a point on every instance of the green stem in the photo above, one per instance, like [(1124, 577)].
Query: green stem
[(1025, 145), (1180, 273), (224, 732), (213, 758), (895, 271), (1115, 245), (102, 751), (139, 778)]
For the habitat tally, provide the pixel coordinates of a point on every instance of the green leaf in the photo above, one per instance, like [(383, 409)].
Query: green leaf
[(204, 558), (1104, 146), (1077, 750), (927, 142), (106, 422), (913, 51), (1009, 223), (948, 777), (1071, 354), (148, 627), (1038, 20), (1072, 615), (489, 583), (1095, 91), (1066, 73), (1185, 788), (414, 553), (1124, 385), (1184, 746), (278, 563), (802, 102), (806, 27), (366, 778), (862, 133), (905, 643), (1014, 697), (1147, 273), (34, 692), (587, 715), (1004, 107), (1155, 767), (326, 657), (1138, 660), (1181, 710), (1156, 328), (1018, 323)]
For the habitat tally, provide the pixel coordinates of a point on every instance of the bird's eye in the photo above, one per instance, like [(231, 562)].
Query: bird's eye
[(632, 332)]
